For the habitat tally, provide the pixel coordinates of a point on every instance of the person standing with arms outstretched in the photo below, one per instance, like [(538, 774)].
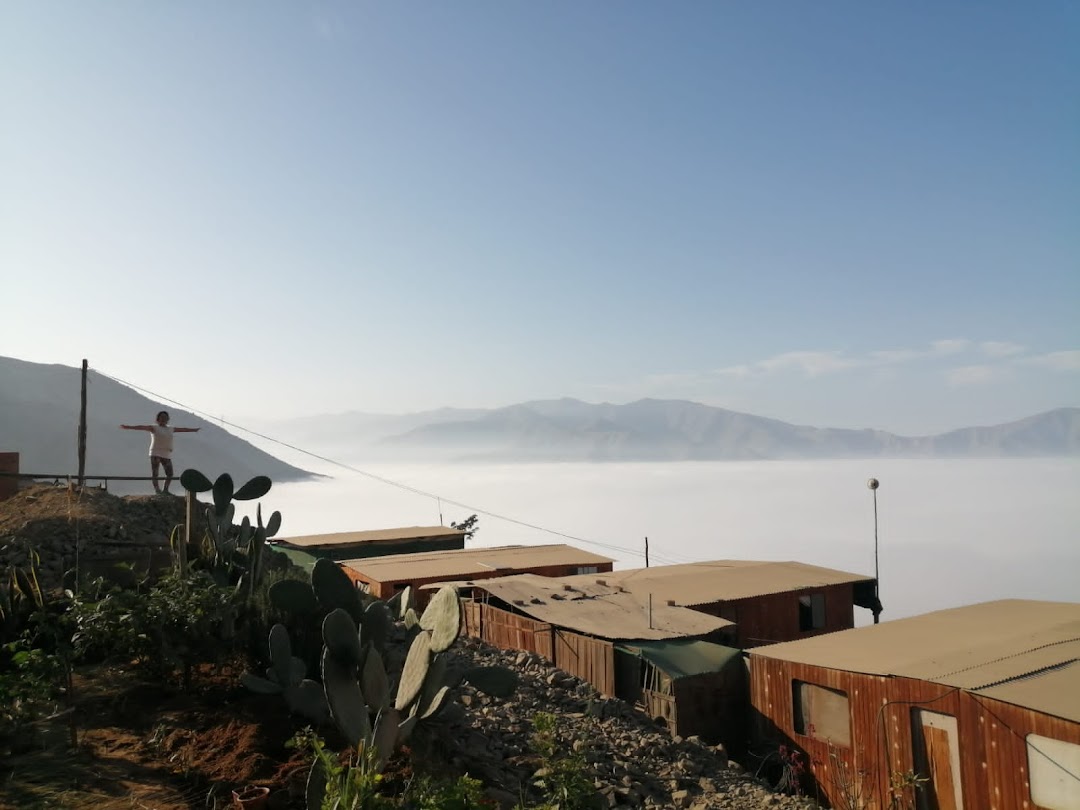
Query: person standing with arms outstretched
[(161, 444)]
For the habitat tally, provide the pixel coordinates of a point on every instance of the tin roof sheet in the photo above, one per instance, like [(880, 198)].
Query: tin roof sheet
[(370, 536), (725, 580), (602, 611), (465, 563)]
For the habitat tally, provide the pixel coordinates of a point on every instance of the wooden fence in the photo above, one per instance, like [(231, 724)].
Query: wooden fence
[(590, 659)]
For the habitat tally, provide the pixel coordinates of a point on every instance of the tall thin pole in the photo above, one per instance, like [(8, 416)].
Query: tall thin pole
[(646, 552), (82, 427), (873, 484)]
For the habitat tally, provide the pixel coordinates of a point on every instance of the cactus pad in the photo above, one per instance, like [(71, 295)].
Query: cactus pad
[(293, 596), (194, 481), (347, 706), (281, 654), (223, 492), (253, 489), (417, 664), (260, 685), (340, 636), (375, 624), (373, 681), (443, 618), (437, 703), (307, 700), (334, 589), (385, 736)]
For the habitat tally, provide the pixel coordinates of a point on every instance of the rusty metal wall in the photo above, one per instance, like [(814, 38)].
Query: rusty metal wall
[(775, 617), (993, 751)]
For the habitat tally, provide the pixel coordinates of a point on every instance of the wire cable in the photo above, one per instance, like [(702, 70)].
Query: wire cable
[(390, 482)]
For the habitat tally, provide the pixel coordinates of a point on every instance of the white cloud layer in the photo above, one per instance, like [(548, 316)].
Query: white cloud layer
[(1009, 526)]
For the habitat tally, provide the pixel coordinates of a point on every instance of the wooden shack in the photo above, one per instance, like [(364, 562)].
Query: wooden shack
[(767, 601), (660, 657), (375, 542), (982, 701), (385, 576)]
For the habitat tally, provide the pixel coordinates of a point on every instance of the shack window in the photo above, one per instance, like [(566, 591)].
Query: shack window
[(812, 611), (821, 713), (587, 569), (1054, 771)]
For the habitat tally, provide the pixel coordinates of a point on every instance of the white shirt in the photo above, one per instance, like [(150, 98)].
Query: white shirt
[(161, 439)]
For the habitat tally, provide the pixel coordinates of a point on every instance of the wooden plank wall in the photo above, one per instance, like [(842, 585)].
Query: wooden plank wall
[(590, 659), (993, 751), (508, 631)]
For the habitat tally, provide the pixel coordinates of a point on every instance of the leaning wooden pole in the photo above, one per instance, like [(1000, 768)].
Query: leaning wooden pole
[(82, 427), (189, 527)]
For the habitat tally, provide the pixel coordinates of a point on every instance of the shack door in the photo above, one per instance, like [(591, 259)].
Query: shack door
[(937, 757)]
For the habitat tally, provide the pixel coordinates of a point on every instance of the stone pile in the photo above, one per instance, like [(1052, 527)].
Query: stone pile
[(56, 524), (633, 761)]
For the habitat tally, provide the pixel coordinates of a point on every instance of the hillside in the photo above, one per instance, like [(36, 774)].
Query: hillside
[(145, 744), (39, 417), (676, 430)]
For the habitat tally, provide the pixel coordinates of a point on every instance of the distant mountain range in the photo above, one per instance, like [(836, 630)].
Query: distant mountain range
[(656, 430), (39, 417)]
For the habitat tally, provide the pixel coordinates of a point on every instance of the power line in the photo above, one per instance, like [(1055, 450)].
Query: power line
[(389, 482)]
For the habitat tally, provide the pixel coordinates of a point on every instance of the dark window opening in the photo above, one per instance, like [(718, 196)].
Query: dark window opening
[(811, 612)]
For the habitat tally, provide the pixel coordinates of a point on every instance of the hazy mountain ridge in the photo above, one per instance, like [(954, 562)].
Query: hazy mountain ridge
[(39, 417), (674, 430)]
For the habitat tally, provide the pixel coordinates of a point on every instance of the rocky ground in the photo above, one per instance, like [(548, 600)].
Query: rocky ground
[(632, 761)]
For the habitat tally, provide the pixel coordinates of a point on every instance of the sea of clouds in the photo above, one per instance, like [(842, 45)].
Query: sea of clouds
[(950, 532)]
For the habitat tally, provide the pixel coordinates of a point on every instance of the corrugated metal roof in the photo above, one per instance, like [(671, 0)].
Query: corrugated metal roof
[(724, 580), (370, 536), (682, 658), (596, 610), (465, 563), (1020, 651)]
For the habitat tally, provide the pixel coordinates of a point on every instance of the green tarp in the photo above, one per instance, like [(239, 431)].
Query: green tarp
[(681, 658)]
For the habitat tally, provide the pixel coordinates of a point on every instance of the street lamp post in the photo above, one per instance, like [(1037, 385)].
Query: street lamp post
[(873, 485)]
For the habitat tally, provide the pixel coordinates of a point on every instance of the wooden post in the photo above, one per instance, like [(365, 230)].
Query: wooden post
[(82, 427), (189, 525), (646, 552)]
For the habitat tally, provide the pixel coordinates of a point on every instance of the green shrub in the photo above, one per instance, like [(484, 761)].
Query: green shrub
[(563, 775)]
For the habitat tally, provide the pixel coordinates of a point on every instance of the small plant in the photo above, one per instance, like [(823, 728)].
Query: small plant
[(465, 793), (788, 765), (850, 789), (562, 777), (20, 596), (30, 684), (903, 789), (174, 625), (333, 785)]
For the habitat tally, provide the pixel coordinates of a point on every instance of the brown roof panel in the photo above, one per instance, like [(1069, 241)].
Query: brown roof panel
[(725, 580), (596, 610), (370, 536), (466, 563), (1055, 692)]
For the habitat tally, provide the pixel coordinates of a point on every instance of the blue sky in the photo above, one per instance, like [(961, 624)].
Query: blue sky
[(832, 213)]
